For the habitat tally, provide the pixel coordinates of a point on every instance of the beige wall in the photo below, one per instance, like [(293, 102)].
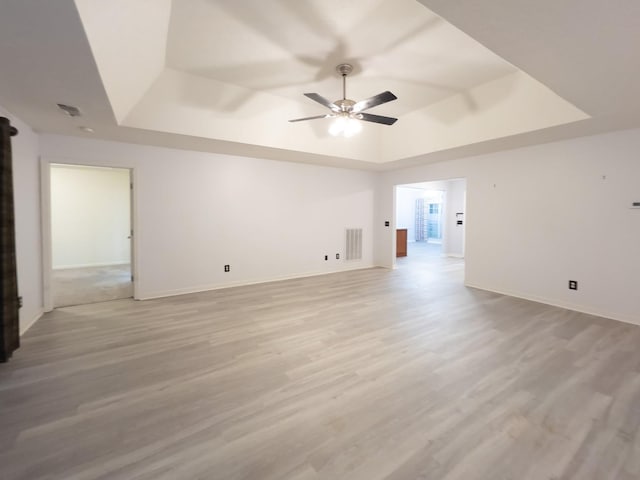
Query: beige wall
[(90, 216)]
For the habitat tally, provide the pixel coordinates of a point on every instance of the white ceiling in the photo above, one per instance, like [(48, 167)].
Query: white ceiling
[(225, 75), (286, 48)]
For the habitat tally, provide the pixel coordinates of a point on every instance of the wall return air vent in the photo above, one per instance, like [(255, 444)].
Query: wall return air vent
[(353, 247), (69, 110)]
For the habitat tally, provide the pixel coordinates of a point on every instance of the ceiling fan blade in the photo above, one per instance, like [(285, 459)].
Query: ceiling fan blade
[(368, 117), (322, 101), (310, 118), (374, 101)]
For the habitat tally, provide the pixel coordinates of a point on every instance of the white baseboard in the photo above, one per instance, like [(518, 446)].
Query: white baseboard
[(560, 304), (89, 265), (26, 325), (206, 288)]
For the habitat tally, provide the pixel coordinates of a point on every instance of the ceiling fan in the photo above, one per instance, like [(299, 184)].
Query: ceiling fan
[(346, 111)]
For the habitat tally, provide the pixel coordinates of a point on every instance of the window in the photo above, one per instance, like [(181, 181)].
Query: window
[(428, 220)]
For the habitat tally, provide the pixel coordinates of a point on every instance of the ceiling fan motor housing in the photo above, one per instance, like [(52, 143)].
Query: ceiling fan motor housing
[(345, 104), (346, 108)]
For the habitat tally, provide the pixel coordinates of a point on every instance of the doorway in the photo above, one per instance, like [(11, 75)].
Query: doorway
[(91, 234), (432, 213)]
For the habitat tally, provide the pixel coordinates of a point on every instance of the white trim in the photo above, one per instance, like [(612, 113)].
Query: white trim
[(133, 219), (24, 326), (83, 163), (84, 166), (560, 304), (45, 208), (89, 265), (206, 288), (45, 219)]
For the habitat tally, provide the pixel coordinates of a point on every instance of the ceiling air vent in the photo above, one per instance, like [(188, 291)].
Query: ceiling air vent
[(69, 110)]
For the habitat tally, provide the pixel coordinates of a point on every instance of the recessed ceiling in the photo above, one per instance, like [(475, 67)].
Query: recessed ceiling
[(223, 75), (287, 48)]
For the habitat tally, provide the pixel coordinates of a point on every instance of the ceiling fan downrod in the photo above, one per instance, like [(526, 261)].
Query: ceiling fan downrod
[(344, 69), (345, 104)]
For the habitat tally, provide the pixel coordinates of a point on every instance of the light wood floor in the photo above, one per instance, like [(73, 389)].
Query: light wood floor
[(370, 374)]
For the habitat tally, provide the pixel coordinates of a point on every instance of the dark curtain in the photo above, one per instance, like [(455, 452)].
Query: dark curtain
[(9, 322)]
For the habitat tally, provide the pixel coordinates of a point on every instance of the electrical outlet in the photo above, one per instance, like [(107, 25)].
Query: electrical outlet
[(337, 256), (386, 223), (573, 284), (326, 257), (227, 268)]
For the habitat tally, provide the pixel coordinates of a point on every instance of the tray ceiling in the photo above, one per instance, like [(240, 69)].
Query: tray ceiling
[(223, 75)]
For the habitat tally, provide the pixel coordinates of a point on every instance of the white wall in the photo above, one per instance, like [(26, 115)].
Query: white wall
[(26, 185), (90, 216), (536, 217), (406, 210), (453, 239), (539, 216), (198, 211)]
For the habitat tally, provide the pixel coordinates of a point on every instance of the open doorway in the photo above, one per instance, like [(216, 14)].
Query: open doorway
[(90, 234), (430, 215)]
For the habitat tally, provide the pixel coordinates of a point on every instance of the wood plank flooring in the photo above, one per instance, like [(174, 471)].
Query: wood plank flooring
[(370, 374)]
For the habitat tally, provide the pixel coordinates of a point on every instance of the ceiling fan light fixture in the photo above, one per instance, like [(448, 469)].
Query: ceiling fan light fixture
[(347, 113), (352, 127), (337, 126), (345, 126)]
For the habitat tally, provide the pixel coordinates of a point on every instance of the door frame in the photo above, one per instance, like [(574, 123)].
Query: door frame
[(45, 208), (390, 249)]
